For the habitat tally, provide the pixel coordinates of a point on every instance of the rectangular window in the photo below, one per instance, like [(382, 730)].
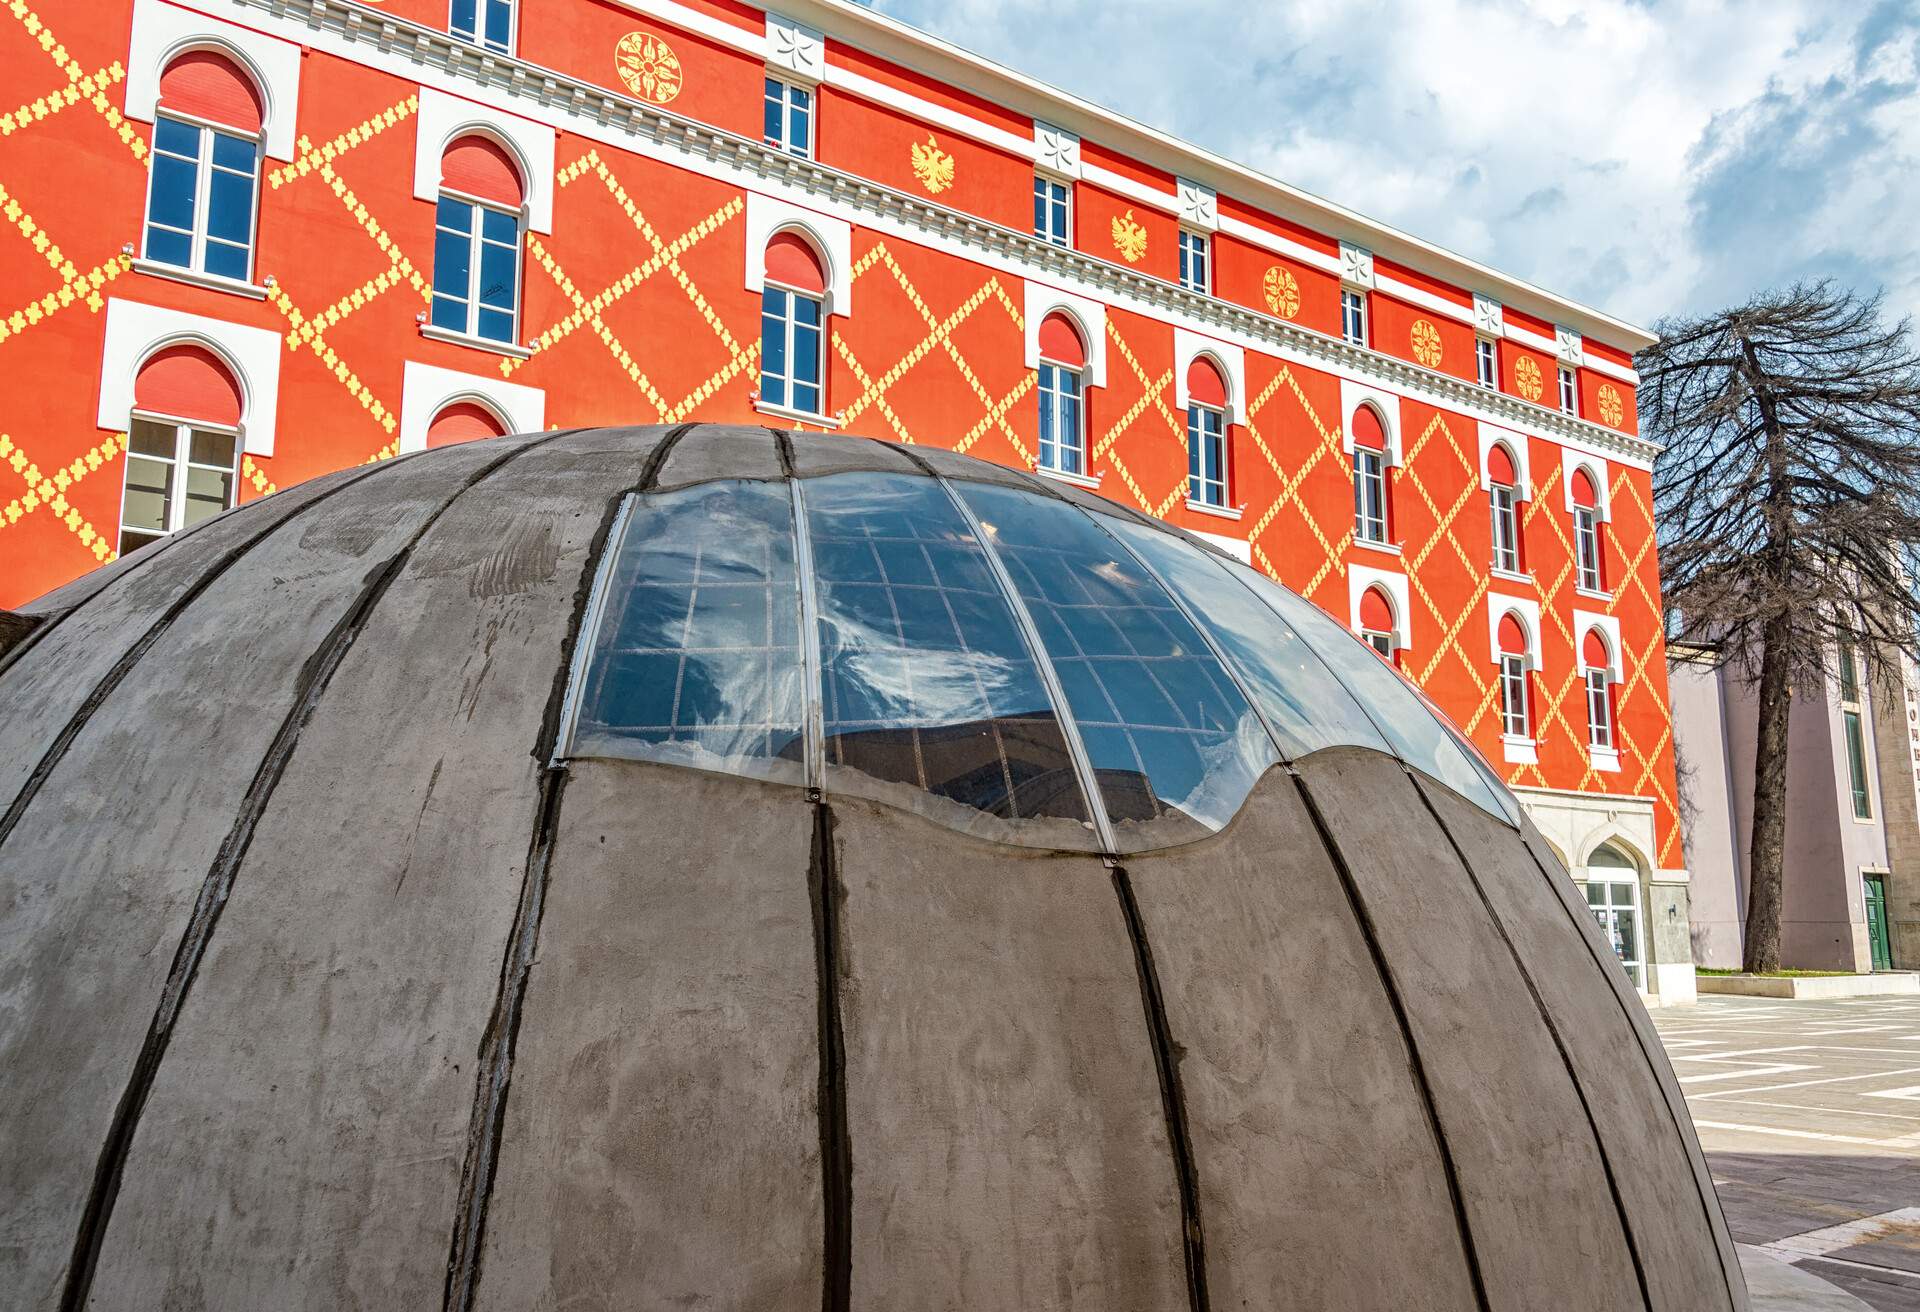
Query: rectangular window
[(1599, 710), (1506, 529), (1856, 735), (486, 23), (1353, 316), (200, 199), (1369, 495), (1062, 447), (1513, 696), (1380, 640), (790, 350), (177, 474), (1486, 356), (1586, 547), (476, 270), (788, 118), (1052, 209), (1569, 392), (1193, 261), (1206, 455)]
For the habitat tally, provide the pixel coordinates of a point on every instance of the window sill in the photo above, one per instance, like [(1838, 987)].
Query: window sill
[(1092, 484), (1208, 508), (508, 349), (795, 416), (1389, 548), (194, 278), (1592, 595), (1519, 751), (1606, 760), (1512, 576)]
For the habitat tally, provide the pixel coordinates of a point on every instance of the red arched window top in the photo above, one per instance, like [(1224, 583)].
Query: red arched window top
[(1593, 650), (1500, 467), (1583, 493), (1060, 342), (793, 263), (463, 421), (1205, 386), (484, 170), (1376, 612), (1367, 431), (188, 382), (211, 87), (1513, 638)]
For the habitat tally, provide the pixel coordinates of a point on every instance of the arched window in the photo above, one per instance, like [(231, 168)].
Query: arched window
[(1515, 722), (1613, 894), (1376, 621), (1586, 533), (476, 241), (1595, 661), (792, 311), (463, 421), (486, 23), (204, 178), (1206, 433), (1371, 517), (1502, 491), (183, 442), (1063, 366)]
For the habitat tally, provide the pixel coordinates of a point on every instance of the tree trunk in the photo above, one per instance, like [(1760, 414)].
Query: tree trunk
[(1767, 850)]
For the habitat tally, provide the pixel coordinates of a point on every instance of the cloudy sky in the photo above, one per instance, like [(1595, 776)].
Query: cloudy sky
[(1646, 156)]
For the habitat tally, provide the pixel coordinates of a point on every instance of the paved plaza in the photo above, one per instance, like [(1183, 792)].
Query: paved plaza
[(1810, 1115)]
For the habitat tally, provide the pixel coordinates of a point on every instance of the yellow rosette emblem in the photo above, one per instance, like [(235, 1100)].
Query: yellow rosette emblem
[(1526, 378), (1426, 343), (1282, 292), (1612, 408), (648, 67)]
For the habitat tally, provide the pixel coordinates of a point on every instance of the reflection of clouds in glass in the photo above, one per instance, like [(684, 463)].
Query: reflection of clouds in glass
[(1233, 763), (932, 687)]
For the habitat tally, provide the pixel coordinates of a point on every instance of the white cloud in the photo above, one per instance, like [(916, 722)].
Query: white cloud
[(1648, 156)]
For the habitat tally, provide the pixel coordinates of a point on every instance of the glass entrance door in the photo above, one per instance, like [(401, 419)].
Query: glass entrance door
[(1877, 937), (1613, 894)]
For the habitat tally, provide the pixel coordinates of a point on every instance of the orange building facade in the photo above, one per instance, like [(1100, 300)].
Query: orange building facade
[(248, 242)]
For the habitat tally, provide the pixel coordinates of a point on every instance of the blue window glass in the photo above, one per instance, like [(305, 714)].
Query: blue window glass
[(696, 656), (1206, 455), (200, 199), (1050, 209), (787, 117), (790, 338), (453, 241), (1062, 444), (1173, 744), (1193, 260), (476, 269), (487, 23), (926, 679)]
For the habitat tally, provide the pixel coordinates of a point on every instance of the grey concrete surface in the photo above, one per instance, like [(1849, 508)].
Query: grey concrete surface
[(1810, 1115)]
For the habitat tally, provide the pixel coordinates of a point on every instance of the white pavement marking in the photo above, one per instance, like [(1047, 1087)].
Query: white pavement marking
[(1911, 1093), (1904, 1141), (1743, 1072), (1833, 1238), (1732, 1099), (1802, 1084)]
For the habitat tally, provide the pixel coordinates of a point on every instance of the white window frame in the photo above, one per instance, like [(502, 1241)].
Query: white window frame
[(1196, 433), (1486, 356), (1196, 248), (1609, 877), (1516, 720), (1370, 471), (1353, 316), (1050, 400), (790, 326), (478, 37), (1504, 500), (181, 461), (1600, 728), (1380, 640), (519, 216), (1588, 576), (203, 194), (1569, 391), (1853, 726), (1062, 202), (787, 89)]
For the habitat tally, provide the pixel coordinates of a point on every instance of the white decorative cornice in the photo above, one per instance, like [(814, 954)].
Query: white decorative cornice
[(1489, 317), (715, 152), (1058, 150), (1356, 266), (795, 48), (1199, 205)]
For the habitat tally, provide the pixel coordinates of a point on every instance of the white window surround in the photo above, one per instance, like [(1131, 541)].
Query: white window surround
[(1605, 760), (1239, 548), (1394, 585), (162, 32), (135, 330), (831, 239), (1597, 471), (1519, 751), (444, 119), (1088, 316), (1356, 266), (1056, 151), (1231, 360), (1568, 346), (1489, 316), (1524, 609), (1354, 395), (795, 49), (1199, 205), (426, 390), (1609, 627), (1492, 435)]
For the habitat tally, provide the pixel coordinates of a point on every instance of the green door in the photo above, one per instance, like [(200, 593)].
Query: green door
[(1877, 921)]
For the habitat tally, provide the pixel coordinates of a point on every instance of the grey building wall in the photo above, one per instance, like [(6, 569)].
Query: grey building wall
[(1707, 810), (1896, 724)]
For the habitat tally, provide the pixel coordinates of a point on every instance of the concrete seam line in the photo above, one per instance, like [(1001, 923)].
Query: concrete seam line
[(315, 676), (828, 898), (1416, 1066), (57, 749), (1553, 1031), (1173, 1098), (1682, 1120), (493, 1070)]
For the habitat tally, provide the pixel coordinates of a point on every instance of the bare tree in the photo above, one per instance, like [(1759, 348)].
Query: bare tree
[(1788, 504)]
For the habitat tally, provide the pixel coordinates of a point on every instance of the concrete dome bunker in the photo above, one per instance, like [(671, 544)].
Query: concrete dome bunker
[(377, 927)]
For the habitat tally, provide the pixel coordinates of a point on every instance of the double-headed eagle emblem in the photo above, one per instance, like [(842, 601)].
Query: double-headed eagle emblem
[(1129, 238), (933, 166)]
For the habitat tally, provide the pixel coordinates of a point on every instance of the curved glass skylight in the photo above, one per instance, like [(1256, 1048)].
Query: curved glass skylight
[(1000, 659)]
